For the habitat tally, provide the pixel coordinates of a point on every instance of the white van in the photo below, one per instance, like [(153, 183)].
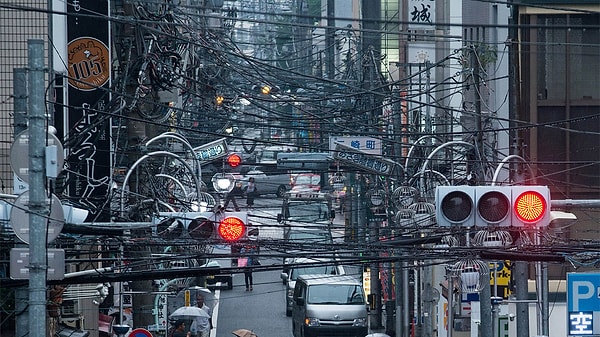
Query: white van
[(326, 305), (302, 266)]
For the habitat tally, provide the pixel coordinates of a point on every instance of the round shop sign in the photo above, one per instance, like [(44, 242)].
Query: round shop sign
[(88, 63)]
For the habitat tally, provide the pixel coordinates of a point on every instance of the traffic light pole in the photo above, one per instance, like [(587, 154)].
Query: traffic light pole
[(541, 288)]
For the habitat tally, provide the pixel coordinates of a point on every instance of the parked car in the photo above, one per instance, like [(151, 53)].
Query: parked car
[(277, 183), (300, 241), (268, 154), (303, 182), (306, 266)]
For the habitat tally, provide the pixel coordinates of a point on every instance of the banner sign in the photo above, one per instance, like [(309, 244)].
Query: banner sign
[(364, 161), (86, 127), (211, 151)]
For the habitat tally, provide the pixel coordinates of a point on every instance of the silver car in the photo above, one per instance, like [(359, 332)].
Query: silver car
[(277, 183)]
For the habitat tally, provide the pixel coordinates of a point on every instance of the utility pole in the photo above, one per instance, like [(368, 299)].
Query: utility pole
[(475, 65), (20, 120), (330, 40), (485, 296), (37, 195)]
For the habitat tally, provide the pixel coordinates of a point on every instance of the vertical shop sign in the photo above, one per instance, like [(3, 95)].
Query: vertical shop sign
[(86, 127), (421, 14)]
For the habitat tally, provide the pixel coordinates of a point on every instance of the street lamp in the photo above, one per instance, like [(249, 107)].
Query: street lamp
[(471, 275), (223, 182), (404, 196)]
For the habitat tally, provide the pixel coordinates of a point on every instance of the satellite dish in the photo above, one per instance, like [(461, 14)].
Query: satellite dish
[(19, 217)]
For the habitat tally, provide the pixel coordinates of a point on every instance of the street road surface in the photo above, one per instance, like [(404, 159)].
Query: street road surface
[(263, 309)]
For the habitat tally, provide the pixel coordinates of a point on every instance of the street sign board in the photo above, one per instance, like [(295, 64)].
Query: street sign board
[(364, 161), (583, 304), (19, 264), (500, 274), (303, 160), (211, 151), (140, 332), (364, 144)]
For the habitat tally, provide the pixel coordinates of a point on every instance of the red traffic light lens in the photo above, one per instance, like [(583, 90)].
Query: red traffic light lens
[(493, 206), (234, 160), (201, 229), (231, 228), (530, 207), (457, 206)]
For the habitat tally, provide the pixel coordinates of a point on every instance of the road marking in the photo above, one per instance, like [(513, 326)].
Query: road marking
[(215, 315)]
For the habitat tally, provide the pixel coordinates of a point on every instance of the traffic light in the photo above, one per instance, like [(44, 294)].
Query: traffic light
[(217, 226), (201, 228), (531, 205), (234, 160), (500, 206), (232, 227), (266, 89)]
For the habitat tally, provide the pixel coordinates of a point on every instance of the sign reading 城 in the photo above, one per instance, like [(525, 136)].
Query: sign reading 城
[(583, 304)]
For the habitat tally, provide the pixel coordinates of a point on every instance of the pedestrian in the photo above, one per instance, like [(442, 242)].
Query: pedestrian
[(251, 192), (235, 192), (249, 252), (202, 325), (179, 331)]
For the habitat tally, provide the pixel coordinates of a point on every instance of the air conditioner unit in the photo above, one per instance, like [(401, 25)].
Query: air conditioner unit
[(74, 295), (70, 308)]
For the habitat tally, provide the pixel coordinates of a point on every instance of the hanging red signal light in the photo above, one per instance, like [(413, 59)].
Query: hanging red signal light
[(234, 160), (530, 207), (231, 228)]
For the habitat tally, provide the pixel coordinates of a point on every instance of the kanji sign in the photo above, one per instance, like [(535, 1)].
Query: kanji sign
[(211, 151), (421, 14), (364, 161), (364, 144)]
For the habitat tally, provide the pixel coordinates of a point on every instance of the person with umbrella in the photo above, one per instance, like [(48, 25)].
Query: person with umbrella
[(202, 325), (179, 331), (244, 333)]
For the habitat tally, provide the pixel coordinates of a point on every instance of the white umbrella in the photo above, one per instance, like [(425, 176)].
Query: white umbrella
[(209, 298), (244, 333), (188, 312)]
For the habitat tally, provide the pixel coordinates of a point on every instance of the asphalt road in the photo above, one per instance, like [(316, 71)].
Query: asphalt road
[(261, 310)]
